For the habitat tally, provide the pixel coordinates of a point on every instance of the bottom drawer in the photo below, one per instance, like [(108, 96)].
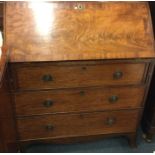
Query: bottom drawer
[(71, 125)]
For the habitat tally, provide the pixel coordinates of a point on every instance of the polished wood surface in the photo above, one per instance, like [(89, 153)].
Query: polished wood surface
[(69, 76), (72, 125), (78, 100), (90, 87), (5, 101), (8, 135), (102, 92), (78, 30), (3, 49), (4, 54)]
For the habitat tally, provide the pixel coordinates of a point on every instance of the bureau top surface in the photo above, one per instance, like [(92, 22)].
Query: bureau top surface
[(55, 31)]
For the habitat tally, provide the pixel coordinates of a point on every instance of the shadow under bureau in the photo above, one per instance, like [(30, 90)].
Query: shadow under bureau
[(82, 74)]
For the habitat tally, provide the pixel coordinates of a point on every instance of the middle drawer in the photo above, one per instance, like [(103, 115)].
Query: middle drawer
[(77, 100)]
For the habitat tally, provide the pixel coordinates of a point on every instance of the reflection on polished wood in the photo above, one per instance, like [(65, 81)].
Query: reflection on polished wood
[(59, 100), (42, 31), (3, 57), (3, 60)]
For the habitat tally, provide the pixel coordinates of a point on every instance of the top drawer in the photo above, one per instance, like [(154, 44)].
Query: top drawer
[(57, 75)]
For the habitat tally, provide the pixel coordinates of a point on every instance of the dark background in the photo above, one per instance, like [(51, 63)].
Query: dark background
[(152, 8)]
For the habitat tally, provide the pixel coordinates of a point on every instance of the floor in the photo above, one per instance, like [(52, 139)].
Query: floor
[(107, 145)]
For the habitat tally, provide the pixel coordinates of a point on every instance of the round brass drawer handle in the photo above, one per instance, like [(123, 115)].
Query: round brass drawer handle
[(48, 103), (49, 127), (47, 78), (117, 75), (110, 121), (113, 99)]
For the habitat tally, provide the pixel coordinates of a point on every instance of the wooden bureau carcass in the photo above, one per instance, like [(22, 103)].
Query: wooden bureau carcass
[(82, 72)]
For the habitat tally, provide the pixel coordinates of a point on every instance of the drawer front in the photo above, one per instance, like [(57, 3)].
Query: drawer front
[(70, 125), (50, 76), (76, 100)]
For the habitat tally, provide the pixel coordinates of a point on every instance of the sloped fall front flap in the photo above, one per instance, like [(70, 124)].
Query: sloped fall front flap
[(51, 31)]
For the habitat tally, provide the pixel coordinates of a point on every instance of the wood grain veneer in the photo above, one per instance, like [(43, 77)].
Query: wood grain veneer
[(78, 54), (78, 30), (77, 100), (69, 76), (72, 125)]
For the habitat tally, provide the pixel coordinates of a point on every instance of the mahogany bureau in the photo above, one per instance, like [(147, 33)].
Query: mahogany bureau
[(78, 70)]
